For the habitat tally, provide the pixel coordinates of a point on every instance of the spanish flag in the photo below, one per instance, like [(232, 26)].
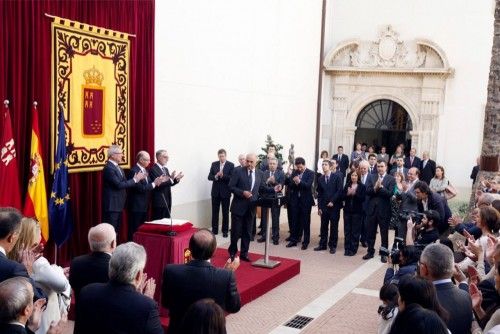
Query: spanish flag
[(36, 196)]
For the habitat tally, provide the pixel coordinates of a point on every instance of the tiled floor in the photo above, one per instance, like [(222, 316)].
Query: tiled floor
[(338, 291)]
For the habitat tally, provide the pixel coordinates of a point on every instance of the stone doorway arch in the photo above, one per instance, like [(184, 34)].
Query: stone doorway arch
[(410, 73)]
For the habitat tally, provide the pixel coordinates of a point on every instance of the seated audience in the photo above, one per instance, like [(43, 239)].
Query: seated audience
[(204, 317), (436, 265), (93, 267), (184, 284), (389, 308), (16, 306), (50, 278), (120, 306), (408, 259), (424, 232)]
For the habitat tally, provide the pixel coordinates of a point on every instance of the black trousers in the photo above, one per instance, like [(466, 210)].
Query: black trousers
[(329, 219), (114, 218), (381, 220), (135, 220), (275, 221), (301, 223), (241, 227), (363, 232), (216, 204), (352, 229), (160, 213)]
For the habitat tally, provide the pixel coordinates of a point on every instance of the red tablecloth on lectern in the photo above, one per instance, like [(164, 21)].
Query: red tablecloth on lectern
[(162, 250)]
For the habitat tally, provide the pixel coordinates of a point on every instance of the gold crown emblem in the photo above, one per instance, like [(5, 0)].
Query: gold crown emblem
[(93, 76)]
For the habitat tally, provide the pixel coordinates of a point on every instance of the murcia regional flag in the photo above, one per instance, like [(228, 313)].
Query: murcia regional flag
[(10, 194)]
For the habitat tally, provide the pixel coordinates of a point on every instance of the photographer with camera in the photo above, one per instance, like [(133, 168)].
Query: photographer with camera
[(402, 262), (422, 228)]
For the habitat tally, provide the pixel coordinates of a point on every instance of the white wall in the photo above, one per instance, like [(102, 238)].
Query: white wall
[(464, 30), (227, 73)]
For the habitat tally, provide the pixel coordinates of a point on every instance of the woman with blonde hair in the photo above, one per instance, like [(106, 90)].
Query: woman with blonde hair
[(50, 278)]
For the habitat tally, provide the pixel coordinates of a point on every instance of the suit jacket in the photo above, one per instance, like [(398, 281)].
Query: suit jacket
[(220, 187), (116, 308), (10, 269), (163, 190), (113, 189), (239, 183), (427, 172), (88, 268), (301, 194), (138, 195), (405, 172), (354, 204), (416, 162), (409, 200), (184, 284), (374, 170), (459, 306), (279, 177), (436, 202), (342, 162), (329, 192), (14, 329), (379, 202)]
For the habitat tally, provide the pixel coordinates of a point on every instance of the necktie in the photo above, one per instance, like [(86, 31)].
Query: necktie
[(411, 160), (371, 170), (327, 178), (250, 180), (120, 170), (164, 169), (271, 174), (425, 163)]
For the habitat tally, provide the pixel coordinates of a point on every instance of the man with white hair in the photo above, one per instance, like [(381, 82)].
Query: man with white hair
[(16, 307), (119, 306), (427, 168), (93, 267), (114, 187), (436, 265)]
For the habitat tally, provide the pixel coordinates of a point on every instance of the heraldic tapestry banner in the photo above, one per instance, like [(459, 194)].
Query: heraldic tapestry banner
[(90, 81)]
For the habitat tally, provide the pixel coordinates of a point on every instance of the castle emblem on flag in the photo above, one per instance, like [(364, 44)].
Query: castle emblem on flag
[(34, 167), (93, 102), (8, 152)]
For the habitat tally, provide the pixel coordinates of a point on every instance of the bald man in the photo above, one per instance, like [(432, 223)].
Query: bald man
[(246, 184), (93, 267), (184, 284), (16, 307)]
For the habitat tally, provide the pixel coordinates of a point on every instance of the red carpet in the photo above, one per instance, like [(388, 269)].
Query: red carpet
[(252, 281)]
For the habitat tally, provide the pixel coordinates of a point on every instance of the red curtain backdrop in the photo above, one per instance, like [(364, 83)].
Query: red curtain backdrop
[(25, 44)]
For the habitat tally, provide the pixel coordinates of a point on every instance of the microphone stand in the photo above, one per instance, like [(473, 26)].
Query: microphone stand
[(170, 233)]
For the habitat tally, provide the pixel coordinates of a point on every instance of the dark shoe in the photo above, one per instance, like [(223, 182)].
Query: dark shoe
[(261, 239), (215, 233), (363, 244), (260, 232), (291, 244), (244, 258), (320, 248), (333, 250), (252, 238), (346, 253), (276, 242), (368, 256), (224, 235), (304, 246), (288, 239), (383, 259)]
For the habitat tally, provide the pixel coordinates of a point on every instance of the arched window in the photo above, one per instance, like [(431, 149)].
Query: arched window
[(384, 115)]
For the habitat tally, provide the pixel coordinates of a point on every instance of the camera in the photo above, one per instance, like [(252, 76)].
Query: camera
[(415, 216), (395, 251)]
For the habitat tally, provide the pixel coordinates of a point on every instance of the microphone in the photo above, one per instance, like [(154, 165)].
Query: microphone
[(171, 232)]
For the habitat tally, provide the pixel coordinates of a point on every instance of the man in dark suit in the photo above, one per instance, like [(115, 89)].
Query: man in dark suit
[(220, 174), (93, 267), (372, 163), (428, 200), (475, 170), (138, 196), (342, 160), (364, 176), (379, 189), (427, 168), (114, 187), (300, 203), (412, 160), (184, 284), (399, 168), (273, 177), (162, 195), (329, 188), (408, 201), (246, 183), (436, 265), (16, 307), (123, 305)]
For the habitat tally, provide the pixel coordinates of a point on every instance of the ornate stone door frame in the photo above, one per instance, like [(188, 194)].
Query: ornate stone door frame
[(411, 73)]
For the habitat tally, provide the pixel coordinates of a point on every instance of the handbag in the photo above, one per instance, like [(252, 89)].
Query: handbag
[(450, 192)]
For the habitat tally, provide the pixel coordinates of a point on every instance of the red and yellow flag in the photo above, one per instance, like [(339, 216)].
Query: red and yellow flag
[(36, 196)]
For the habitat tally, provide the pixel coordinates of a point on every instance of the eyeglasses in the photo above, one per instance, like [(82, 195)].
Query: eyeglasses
[(251, 161)]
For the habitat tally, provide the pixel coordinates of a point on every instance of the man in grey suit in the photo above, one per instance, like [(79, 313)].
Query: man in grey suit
[(114, 187), (436, 265), (273, 177), (246, 183)]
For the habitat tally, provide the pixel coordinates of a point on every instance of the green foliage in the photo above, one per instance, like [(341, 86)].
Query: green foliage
[(459, 208), (270, 142)]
